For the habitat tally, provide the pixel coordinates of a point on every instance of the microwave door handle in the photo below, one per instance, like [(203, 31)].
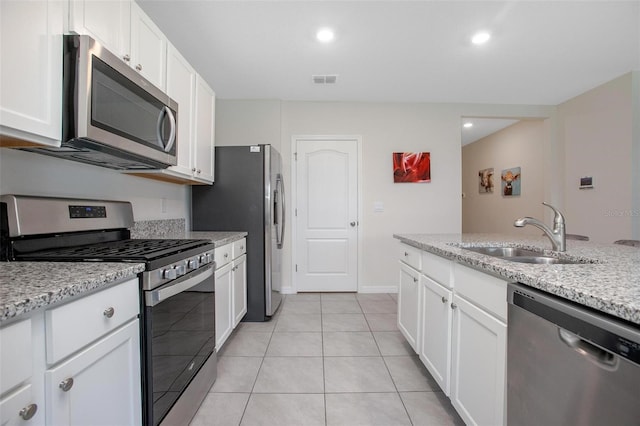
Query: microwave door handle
[(172, 133)]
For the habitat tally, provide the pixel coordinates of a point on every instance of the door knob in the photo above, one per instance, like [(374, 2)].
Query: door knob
[(352, 224)]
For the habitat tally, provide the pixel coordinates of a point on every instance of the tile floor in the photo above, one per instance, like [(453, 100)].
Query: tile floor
[(324, 359)]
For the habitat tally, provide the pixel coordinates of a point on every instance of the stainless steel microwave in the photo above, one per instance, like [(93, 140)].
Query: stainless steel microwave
[(112, 116)]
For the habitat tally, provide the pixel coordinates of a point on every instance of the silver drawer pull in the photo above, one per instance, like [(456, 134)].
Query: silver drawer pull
[(126, 58), (241, 247), (66, 384), (109, 312), (415, 280), (226, 255), (454, 306), (406, 254), (139, 67), (444, 299), (28, 412)]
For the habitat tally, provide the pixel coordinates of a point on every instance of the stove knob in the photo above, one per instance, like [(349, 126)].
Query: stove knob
[(181, 270), (169, 274), (209, 258), (193, 264)]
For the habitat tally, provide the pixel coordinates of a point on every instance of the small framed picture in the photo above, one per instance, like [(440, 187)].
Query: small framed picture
[(485, 181), (511, 179), (411, 167)]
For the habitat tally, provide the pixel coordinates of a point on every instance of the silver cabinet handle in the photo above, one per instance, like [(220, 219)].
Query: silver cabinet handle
[(454, 306), (139, 67), (126, 58), (66, 384), (109, 312), (444, 299), (352, 224), (199, 171), (415, 280), (193, 169), (406, 254), (28, 412), (241, 247), (226, 255)]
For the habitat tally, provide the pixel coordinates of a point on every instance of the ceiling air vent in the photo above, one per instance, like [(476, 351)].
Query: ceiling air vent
[(324, 79)]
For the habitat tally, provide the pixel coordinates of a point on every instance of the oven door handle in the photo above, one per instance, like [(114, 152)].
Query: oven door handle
[(154, 297)]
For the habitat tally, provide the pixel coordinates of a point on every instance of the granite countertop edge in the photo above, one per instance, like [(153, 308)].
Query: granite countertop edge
[(610, 284), (218, 238), (26, 287)]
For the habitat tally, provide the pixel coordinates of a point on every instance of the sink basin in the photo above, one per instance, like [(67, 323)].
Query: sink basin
[(516, 254), (503, 251), (542, 260)]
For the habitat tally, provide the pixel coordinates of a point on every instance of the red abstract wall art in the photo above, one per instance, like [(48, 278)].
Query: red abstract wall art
[(411, 167)]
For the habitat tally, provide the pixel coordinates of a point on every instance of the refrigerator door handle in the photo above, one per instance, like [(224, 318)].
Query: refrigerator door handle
[(279, 210)]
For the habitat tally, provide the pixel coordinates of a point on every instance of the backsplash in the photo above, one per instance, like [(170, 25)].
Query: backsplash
[(163, 228)]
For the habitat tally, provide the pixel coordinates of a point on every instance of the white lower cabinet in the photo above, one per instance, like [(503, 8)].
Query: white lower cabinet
[(231, 288), (478, 365), (100, 385), (435, 345), (224, 322), (239, 296), (456, 319), (409, 304), (53, 372)]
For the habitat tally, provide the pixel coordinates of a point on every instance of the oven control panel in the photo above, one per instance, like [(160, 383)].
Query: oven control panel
[(175, 270), (87, 212)]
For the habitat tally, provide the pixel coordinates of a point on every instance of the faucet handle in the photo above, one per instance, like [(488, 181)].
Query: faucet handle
[(558, 217)]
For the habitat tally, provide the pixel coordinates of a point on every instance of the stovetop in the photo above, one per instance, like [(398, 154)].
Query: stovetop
[(131, 250)]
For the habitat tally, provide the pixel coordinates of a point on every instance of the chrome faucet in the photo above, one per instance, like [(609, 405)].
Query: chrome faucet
[(556, 235)]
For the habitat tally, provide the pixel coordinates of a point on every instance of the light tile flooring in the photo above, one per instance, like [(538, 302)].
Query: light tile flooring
[(324, 359)]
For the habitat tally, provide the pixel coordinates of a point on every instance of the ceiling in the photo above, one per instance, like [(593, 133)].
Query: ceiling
[(540, 53)]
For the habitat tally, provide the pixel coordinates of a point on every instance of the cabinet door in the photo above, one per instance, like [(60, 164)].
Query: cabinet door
[(31, 72), (205, 131), (181, 87), (435, 344), (106, 383), (148, 48), (106, 21), (239, 289), (478, 365), (409, 304), (224, 321)]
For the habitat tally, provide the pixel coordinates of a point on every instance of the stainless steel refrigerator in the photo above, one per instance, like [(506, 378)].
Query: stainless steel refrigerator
[(248, 195)]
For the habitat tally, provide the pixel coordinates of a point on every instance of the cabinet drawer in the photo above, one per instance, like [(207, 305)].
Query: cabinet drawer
[(239, 248), (437, 268), (12, 404), (223, 255), (76, 324), (486, 291), (410, 255), (15, 354)]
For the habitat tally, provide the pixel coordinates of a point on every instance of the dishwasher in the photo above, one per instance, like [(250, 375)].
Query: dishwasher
[(568, 364)]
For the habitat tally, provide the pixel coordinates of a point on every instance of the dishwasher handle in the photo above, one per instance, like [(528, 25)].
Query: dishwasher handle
[(600, 357)]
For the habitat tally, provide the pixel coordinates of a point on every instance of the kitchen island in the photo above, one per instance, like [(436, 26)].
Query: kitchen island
[(609, 281)]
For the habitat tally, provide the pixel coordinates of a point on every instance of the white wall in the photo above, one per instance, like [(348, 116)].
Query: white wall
[(35, 174), (385, 128), (596, 130)]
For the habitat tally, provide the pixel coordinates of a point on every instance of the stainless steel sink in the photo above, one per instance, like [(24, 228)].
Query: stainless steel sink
[(503, 251), (542, 260), (517, 254)]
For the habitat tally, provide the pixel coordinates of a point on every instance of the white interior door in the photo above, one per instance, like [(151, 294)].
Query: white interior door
[(326, 249)]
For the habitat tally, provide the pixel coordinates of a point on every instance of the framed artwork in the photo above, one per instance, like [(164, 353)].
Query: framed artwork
[(411, 167), (511, 179), (485, 181)]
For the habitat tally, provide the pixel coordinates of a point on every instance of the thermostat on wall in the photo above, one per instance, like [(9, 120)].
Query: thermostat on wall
[(586, 182)]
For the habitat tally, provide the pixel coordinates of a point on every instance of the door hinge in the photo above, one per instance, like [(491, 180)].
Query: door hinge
[(296, 267), (295, 156), (295, 212)]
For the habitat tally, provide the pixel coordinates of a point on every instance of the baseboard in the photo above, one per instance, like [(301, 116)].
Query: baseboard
[(378, 289), (287, 290)]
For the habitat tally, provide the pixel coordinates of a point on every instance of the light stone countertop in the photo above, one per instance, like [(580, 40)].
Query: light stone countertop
[(28, 286), (611, 285), (219, 238)]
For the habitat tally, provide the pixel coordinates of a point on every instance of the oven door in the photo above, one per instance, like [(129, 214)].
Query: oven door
[(178, 338)]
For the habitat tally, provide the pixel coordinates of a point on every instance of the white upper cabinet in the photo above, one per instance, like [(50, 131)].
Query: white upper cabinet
[(181, 87), (148, 48), (126, 31), (205, 131), (106, 21), (31, 72)]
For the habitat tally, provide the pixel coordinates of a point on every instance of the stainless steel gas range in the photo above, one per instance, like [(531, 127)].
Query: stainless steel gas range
[(177, 290)]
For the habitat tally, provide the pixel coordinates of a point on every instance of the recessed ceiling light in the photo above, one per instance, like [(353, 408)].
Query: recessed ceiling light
[(480, 38), (467, 124), (325, 35)]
